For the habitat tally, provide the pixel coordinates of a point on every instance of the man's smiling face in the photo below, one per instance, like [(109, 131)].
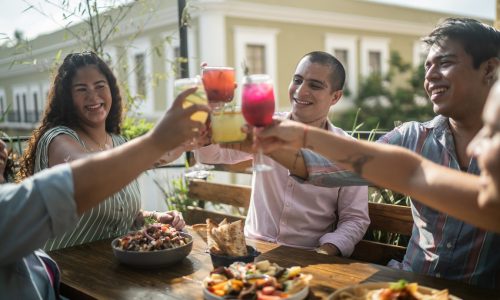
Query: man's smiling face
[(311, 93)]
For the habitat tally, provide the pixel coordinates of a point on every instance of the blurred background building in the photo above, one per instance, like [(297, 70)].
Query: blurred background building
[(269, 35)]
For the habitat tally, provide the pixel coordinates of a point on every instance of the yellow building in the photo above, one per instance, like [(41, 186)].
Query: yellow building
[(270, 35)]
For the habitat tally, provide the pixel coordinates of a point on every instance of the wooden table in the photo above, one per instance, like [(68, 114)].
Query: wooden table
[(91, 271)]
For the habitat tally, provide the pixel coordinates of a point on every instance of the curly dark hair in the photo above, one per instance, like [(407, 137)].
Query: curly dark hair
[(60, 111), (479, 40)]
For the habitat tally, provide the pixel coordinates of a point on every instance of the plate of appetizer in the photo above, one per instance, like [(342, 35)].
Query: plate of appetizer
[(390, 290), (157, 245), (261, 280)]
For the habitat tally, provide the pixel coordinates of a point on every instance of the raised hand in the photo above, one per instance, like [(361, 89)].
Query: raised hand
[(176, 126), (283, 134)]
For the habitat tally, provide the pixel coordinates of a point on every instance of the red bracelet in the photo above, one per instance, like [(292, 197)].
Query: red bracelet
[(304, 138)]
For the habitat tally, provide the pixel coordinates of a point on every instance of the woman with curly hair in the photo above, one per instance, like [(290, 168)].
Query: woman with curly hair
[(83, 116)]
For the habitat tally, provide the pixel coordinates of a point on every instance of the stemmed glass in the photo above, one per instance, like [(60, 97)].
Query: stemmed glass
[(198, 170), (225, 120), (257, 106)]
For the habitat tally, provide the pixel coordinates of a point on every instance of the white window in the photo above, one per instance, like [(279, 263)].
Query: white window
[(419, 53), (140, 75), (256, 47), (33, 106), (3, 106), (20, 105), (374, 56), (255, 55), (45, 95), (343, 47)]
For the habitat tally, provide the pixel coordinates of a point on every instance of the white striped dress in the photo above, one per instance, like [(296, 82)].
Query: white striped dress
[(111, 218)]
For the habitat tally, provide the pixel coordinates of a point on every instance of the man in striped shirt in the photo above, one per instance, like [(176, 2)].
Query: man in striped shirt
[(459, 72)]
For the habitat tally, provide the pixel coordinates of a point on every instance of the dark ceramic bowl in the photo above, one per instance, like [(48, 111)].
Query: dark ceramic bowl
[(225, 261), (153, 259)]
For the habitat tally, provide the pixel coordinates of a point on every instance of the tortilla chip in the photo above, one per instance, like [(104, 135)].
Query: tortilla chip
[(201, 230), (226, 238), (231, 239), (213, 246)]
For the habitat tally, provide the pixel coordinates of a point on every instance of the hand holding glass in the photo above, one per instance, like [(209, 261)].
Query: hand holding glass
[(257, 105), (198, 97)]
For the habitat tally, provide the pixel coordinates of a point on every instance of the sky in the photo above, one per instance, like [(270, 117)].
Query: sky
[(13, 13), (472, 8), (17, 14)]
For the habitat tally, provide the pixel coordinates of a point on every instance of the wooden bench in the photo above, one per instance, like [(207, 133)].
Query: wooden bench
[(390, 218)]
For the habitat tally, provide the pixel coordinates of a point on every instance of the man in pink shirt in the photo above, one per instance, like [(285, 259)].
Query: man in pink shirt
[(284, 211)]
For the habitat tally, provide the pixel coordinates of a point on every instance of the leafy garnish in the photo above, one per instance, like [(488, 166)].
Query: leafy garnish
[(398, 286), (149, 220)]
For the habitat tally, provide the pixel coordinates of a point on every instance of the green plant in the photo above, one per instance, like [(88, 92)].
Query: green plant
[(175, 193), (382, 101), (133, 127), (386, 196)]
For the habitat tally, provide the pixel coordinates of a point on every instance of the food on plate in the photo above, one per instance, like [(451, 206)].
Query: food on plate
[(401, 290), (226, 238), (152, 238), (261, 280)]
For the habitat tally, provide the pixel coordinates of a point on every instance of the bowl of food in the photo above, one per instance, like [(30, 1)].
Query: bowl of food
[(155, 246), (224, 260), (226, 243), (260, 280), (391, 290)]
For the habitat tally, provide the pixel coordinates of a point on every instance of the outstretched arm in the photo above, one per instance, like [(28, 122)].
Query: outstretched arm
[(399, 169)]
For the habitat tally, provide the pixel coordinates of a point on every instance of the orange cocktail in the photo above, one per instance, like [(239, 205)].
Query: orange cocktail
[(218, 83)]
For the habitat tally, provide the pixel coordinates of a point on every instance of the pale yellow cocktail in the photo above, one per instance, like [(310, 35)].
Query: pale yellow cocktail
[(226, 126), (198, 97)]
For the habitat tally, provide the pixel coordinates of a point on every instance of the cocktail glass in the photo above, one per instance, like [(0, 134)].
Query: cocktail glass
[(257, 105), (198, 170), (226, 125), (219, 85)]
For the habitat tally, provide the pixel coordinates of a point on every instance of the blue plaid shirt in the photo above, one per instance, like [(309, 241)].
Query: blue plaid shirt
[(440, 245)]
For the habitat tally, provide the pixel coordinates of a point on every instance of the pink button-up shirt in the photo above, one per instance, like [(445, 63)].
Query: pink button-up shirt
[(295, 214)]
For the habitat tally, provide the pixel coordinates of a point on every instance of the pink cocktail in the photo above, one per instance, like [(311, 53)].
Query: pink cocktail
[(257, 106), (258, 103)]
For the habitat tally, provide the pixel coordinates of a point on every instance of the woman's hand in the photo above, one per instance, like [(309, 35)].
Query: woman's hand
[(173, 218)]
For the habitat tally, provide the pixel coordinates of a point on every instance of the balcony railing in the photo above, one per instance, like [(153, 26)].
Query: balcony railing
[(27, 116)]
